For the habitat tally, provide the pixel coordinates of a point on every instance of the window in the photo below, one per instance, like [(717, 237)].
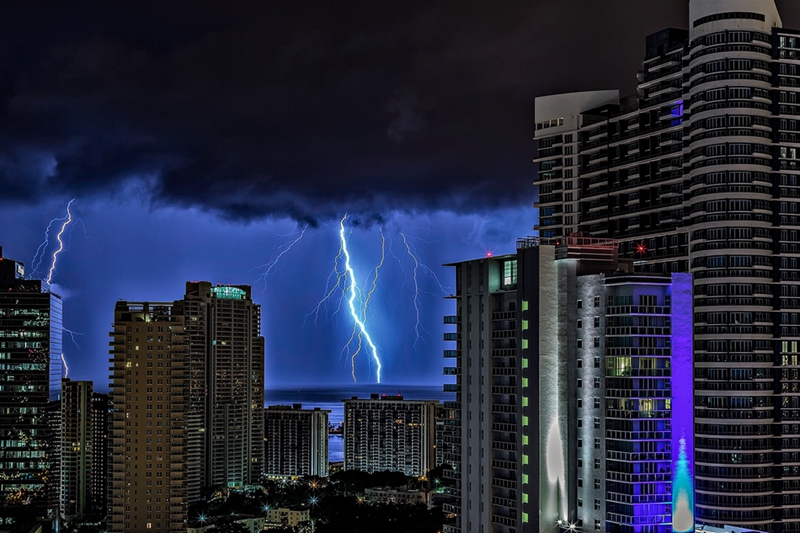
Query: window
[(596, 482), (597, 505), (597, 342), (596, 383), (580, 323), (510, 272), (580, 363), (597, 447), (580, 383), (580, 343), (597, 321), (597, 403), (580, 304)]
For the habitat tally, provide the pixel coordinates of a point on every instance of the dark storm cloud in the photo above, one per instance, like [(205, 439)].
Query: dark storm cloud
[(297, 108)]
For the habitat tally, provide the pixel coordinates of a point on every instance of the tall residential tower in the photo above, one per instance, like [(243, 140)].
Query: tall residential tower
[(698, 173)]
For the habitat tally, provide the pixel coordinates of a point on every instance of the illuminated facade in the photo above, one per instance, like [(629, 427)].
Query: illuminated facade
[(30, 374), (597, 392), (698, 173), (389, 433), (295, 441), (485, 433)]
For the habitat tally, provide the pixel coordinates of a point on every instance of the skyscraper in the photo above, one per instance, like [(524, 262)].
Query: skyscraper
[(295, 441), (30, 373), (187, 393), (390, 433), (151, 420), (76, 455), (226, 348), (698, 172), (596, 392), (486, 477), (101, 413)]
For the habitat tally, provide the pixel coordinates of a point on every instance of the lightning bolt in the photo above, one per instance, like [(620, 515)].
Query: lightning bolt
[(39, 256), (66, 368), (354, 291), (341, 283), (365, 307), (269, 266), (72, 336), (60, 242), (416, 286)]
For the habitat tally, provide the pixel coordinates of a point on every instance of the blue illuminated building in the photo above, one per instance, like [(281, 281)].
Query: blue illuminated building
[(574, 392)]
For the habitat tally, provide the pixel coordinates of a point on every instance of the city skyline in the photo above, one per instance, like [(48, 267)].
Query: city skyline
[(473, 136)]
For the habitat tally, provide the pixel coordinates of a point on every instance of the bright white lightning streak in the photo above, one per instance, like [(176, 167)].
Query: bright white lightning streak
[(60, 242), (366, 306), (353, 288), (416, 286), (66, 367)]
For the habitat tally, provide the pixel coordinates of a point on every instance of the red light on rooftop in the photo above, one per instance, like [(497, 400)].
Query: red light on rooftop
[(489, 254)]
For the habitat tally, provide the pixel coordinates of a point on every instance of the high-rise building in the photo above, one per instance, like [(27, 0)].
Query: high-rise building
[(596, 392), (698, 172), (223, 326), (389, 433), (30, 373), (151, 417), (187, 394), (295, 441), (486, 439), (101, 414), (76, 455)]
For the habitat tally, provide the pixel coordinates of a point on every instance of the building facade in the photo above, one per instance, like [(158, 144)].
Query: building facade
[(151, 417), (30, 378), (698, 173), (592, 387), (226, 348), (187, 396), (390, 433), (485, 480), (101, 414), (76, 454), (295, 441)]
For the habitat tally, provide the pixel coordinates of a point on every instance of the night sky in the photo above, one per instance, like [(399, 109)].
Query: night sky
[(200, 139)]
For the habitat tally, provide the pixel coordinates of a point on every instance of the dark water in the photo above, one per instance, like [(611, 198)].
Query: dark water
[(330, 398)]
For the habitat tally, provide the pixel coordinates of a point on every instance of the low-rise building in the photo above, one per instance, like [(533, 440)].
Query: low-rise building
[(287, 516)]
